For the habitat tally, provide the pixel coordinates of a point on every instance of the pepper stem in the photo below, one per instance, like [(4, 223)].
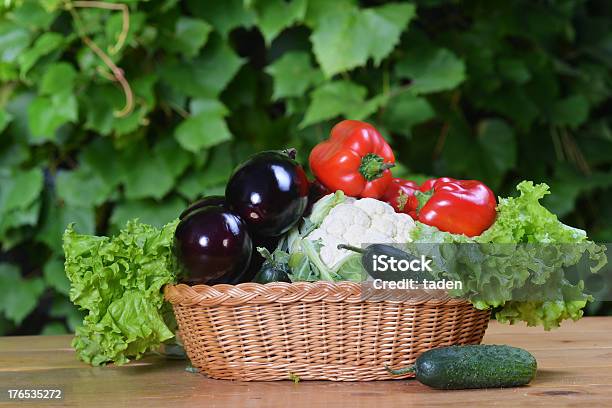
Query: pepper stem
[(402, 200), (350, 248), (423, 198), (401, 371), (372, 166)]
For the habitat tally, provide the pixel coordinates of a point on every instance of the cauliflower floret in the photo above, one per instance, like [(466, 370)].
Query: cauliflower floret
[(385, 224), (374, 207), (354, 234), (358, 222), (404, 225), (349, 214)]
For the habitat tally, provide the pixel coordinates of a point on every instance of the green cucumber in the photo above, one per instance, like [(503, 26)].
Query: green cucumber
[(475, 366)]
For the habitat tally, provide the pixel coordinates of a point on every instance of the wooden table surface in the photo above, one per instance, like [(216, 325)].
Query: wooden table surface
[(574, 369)]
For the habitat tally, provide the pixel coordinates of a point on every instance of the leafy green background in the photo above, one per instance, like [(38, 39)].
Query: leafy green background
[(498, 91)]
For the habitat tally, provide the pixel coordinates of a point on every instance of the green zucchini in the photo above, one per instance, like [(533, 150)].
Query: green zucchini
[(475, 366)]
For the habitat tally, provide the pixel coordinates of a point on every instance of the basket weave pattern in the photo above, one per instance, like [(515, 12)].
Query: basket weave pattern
[(317, 331)]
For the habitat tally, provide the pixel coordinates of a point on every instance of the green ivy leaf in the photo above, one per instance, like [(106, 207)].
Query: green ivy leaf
[(431, 69), (57, 218), (190, 35), (275, 15), (102, 101), (336, 98), (95, 156), (13, 40), (53, 329), (572, 111), (175, 158), (343, 40), (208, 106), (135, 35), (513, 102), (19, 204), (55, 276), (147, 211), (205, 76), (21, 295), (51, 5), (386, 24), (216, 172), (33, 16), (567, 185), (16, 226), (406, 110), (58, 77), (5, 119), (82, 187), (205, 128), (47, 113), (62, 308), (490, 155), (293, 75), (223, 15), (45, 44), (499, 148), (19, 189), (317, 9), (146, 175), (514, 69)]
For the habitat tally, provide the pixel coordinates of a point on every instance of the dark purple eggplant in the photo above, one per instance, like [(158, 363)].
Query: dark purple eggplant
[(212, 245), (215, 200), (269, 192)]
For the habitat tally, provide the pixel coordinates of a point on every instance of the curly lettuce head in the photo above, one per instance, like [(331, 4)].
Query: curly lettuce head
[(518, 265), (119, 282)]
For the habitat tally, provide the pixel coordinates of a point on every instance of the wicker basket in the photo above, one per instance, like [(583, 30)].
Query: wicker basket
[(316, 331)]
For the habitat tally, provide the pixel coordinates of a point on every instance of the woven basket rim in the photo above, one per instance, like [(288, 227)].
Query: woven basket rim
[(307, 292)]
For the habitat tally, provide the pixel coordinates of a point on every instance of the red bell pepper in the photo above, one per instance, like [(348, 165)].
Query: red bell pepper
[(456, 206), (355, 159), (398, 193)]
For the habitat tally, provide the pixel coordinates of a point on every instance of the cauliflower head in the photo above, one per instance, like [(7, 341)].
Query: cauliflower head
[(356, 222)]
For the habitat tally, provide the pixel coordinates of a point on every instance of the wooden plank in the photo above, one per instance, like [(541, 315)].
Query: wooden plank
[(35, 343), (554, 358), (176, 388), (575, 368), (599, 326)]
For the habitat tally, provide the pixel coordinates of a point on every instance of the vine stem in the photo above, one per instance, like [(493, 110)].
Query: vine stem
[(117, 72), (125, 12), (119, 76)]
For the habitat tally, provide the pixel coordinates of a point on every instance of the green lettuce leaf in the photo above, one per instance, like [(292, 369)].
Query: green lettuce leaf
[(119, 282), (524, 219), (519, 264)]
